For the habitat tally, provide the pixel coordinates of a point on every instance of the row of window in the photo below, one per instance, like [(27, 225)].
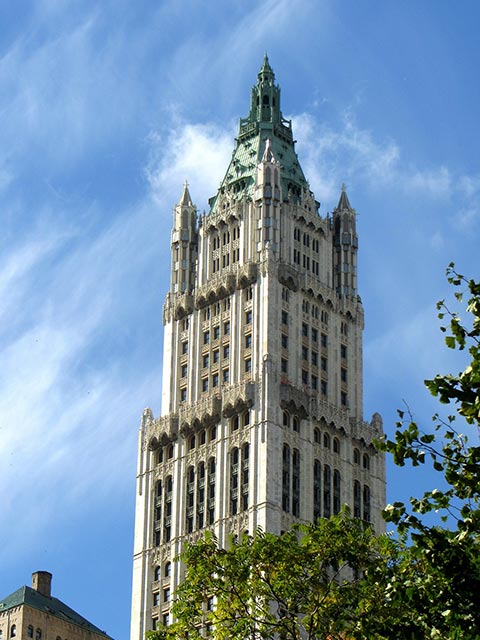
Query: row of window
[(297, 235), (30, 632)]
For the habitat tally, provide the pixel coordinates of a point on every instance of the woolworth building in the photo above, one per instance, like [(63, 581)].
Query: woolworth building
[(262, 419)]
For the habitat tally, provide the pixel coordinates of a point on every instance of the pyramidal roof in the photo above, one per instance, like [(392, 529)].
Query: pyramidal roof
[(53, 606), (344, 203), (263, 123), (185, 200)]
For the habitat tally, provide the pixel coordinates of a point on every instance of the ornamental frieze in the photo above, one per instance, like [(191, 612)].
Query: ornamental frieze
[(203, 413), (237, 398)]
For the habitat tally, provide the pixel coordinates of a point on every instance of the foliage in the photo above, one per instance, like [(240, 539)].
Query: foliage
[(335, 579), (305, 583), (446, 590)]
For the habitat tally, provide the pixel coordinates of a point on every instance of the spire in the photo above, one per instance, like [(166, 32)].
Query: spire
[(186, 200), (343, 203), (266, 71)]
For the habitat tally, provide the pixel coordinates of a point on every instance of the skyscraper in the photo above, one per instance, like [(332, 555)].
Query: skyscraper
[(262, 419)]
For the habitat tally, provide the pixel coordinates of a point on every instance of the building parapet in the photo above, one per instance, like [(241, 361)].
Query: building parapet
[(237, 398), (205, 412)]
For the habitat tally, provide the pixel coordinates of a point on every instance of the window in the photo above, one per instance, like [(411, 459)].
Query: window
[(226, 375), (286, 419), (343, 351), (38, 634), (357, 511), (286, 478), (314, 383), (314, 358), (206, 361), (296, 425), (314, 334), (304, 377), (206, 337), (30, 631), (184, 348), (343, 399), (304, 330), (183, 395), (216, 355), (317, 490), (212, 434), (284, 365), (316, 435), (248, 317), (284, 341), (154, 623), (296, 483), (323, 364), (248, 341), (248, 365), (343, 374), (166, 619), (336, 491), (327, 481), (366, 503), (304, 353), (215, 380), (366, 461), (216, 333), (234, 423), (168, 569), (323, 340), (326, 441), (170, 452), (156, 598), (234, 458), (323, 387), (184, 371), (202, 438), (284, 317), (336, 445), (166, 594), (156, 576), (226, 351), (356, 456), (210, 603), (205, 384), (13, 630)]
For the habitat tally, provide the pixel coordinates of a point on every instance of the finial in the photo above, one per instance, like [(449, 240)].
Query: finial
[(344, 187)]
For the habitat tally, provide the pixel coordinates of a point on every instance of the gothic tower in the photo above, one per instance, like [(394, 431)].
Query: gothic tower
[(262, 421)]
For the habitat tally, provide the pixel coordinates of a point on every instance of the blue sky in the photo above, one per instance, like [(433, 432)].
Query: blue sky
[(106, 108)]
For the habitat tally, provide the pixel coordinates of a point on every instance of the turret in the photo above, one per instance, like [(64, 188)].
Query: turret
[(345, 247), (184, 244)]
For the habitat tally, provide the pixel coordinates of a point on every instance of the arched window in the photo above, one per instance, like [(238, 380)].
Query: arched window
[(156, 574), (327, 491), (13, 630), (202, 437), (366, 461), (326, 440), (317, 490), (212, 435), (268, 176), (234, 423), (266, 101), (170, 452), (167, 515), (316, 435), (357, 497), (211, 491), (286, 478), (336, 445), (286, 419), (296, 483), (246, 418), (191, 442), (336, 491), (30, 631), (296, 424), (356, 456), (366, 503), (245, 475), (190, 499), (201, 495), (167, 570), (38, 634), (234, 456), (160, 456)]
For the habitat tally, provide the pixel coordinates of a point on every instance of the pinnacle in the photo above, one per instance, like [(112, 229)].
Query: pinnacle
[(267, 154), (186, 200), (266, 68), (343, 203)]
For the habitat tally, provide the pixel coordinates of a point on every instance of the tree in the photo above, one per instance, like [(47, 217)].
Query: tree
[(444, 596), (336, 579), (305, 583)]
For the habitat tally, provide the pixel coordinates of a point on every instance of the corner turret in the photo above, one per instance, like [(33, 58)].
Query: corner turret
[(184, 244), (346, 247)]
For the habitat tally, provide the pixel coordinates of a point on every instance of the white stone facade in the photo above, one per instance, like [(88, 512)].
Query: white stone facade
[(262, 422)]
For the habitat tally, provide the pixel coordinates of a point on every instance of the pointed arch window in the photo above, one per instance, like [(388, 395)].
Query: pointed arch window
[(211, 491), (366, 503), (317, 490), (234, 458), (357, 500), (245, 474), (296, 483), (167, 515), (336, 492), (286, 478), (327, 491), (190, 499), (201, 495)]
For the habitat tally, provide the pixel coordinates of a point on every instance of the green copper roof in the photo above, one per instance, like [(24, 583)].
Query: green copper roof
[(264, 121), (53, 606)]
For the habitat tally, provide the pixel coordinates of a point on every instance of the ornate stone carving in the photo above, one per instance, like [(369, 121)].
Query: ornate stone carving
[(247, 274), (294, 400), (203, 413), (288, 276), (182, 305), (237, 398), (161, 431)]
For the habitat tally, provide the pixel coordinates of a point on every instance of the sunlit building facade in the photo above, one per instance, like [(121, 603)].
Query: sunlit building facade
[(262, 419)]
